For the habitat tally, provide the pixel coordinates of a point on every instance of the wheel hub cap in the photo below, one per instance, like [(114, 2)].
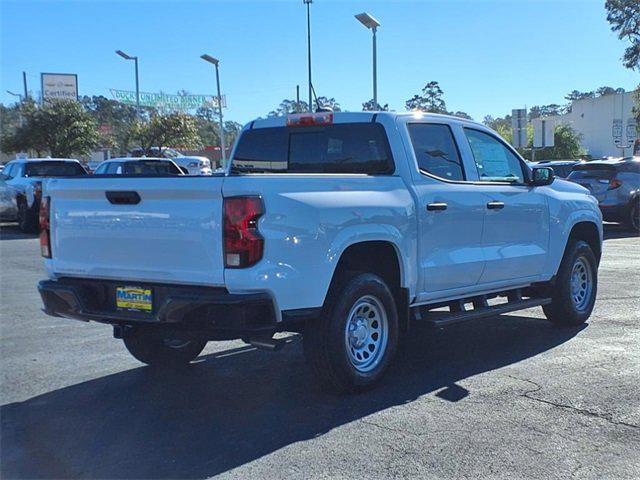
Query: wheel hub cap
[(366, 333), (581, 283)]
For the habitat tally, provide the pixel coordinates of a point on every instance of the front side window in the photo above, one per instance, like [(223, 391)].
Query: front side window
[(337, 148), (494, 161), (436, 150)]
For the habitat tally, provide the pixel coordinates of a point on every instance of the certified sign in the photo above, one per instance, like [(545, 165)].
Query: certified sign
[(59, 86)]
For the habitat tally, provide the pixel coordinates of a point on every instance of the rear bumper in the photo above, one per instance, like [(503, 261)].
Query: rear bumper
[(176, 307)]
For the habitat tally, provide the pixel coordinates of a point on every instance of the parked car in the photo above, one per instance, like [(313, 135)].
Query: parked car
[(616, 185), (561, 168), (194, 165), (8, 203), (25, 176), (344, 227), (139, 166)]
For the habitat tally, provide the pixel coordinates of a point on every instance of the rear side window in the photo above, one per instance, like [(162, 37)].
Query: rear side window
[(54, 169), (150, 168), (436, 151), (338, 148)]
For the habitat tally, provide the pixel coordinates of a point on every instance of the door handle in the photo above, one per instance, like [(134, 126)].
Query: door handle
[(436, 206), (495, 205), (123, 198)]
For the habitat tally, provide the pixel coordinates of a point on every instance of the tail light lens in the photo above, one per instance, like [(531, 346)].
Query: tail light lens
[(243, 244), (45, 230), (614, 183)]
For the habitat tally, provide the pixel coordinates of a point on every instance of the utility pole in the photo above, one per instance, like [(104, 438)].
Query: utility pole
[(308, 4), (24, 84)]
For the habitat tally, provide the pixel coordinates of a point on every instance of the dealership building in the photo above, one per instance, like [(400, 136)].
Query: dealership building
[(606, 124)]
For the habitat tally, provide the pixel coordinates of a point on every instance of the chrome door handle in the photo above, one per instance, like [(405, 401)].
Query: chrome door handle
[(436, 206), (495, 205)]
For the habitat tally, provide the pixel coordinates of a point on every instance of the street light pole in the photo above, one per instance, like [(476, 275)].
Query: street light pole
[(372, 24), (215, 61), (135, 59), (308, 4)]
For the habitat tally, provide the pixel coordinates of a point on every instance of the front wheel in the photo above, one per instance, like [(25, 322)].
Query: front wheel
[(156, 349), (575, 288), (351, 348)]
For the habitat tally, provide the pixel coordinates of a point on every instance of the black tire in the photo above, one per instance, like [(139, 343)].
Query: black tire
[(363, 297), (156, 349), (566, 308), (27, 218), (633, 220)]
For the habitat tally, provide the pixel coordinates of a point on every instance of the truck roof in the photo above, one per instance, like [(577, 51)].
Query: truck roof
[(347, 117)]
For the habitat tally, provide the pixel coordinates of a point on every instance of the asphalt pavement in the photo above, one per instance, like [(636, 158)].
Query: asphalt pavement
[(506, 397)]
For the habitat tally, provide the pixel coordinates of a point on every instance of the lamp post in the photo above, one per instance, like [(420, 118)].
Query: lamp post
[(308, 4), (135, 59), (215, 61), (373, 24)]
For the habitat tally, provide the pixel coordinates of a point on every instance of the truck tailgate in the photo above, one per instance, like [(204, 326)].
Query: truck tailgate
[(172, 235)]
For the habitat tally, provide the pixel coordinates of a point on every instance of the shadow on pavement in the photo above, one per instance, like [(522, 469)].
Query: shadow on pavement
[(614, 231), (237, 406), (10, 231)]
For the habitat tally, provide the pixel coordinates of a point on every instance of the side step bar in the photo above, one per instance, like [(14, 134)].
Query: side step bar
[(441, 319)]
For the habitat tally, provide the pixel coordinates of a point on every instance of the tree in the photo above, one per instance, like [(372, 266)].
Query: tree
[(624, 17), (430, 101), (61, 127), (176, 130), (566, 145), (117, 119), (369, 106), (331, 103), (462, 115), (576, 95), (287, 107), (546, 110)]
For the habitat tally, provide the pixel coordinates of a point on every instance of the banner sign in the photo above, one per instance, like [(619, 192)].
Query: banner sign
[(59, 86), (168, 101)]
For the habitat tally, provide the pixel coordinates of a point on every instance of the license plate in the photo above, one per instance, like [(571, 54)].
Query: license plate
[(134, 298)]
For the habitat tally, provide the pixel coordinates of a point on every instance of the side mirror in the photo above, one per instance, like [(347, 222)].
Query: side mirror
[(542, 176)]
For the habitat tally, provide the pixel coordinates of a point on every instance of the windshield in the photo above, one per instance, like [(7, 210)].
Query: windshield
[(53, 169), (337, 148), (150, 167)]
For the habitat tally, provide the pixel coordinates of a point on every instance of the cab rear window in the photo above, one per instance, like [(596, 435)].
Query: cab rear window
[(338, 148), (53, 169)]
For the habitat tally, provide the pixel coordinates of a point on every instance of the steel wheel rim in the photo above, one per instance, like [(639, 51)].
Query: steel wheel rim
[(366, 333), (581, 283)]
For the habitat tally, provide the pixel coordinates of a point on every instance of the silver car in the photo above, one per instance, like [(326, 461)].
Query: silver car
[(616, 185)]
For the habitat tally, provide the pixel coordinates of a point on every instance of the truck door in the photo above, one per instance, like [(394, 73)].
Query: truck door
[(451, 213), (515, 238)]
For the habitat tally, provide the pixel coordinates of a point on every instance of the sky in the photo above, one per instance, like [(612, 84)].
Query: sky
[(488, 56)]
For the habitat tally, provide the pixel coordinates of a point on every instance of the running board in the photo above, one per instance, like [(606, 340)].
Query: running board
[(442, 319)]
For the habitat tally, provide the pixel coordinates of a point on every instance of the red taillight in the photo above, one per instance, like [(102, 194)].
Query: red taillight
[(614, 183), (243, 244), (309, 119), (45, 233)]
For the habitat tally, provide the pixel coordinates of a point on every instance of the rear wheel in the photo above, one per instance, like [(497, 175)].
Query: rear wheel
[(158, 349), (575, 288), (351, 348), (27, 219)]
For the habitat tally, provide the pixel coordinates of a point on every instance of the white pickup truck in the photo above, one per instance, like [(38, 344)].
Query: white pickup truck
[(344, 227)]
